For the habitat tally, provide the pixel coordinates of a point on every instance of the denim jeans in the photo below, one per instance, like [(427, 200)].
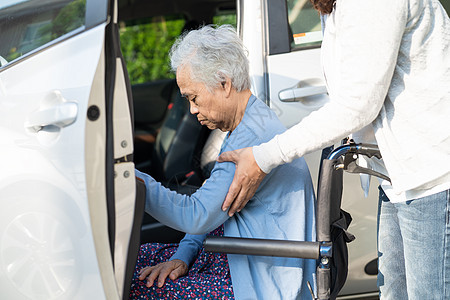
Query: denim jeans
[(414, 248)]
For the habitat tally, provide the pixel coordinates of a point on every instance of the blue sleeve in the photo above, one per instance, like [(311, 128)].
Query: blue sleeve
[(189, 247), (199, 213)]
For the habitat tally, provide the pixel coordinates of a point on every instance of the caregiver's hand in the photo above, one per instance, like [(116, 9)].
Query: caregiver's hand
[(247, 178), (172, 268)]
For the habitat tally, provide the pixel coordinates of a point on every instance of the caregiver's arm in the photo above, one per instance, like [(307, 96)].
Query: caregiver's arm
[(196, 214), (367, 45), (247, 178)]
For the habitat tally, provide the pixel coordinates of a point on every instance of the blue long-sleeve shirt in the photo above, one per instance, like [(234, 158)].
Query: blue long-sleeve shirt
[(282, 208)]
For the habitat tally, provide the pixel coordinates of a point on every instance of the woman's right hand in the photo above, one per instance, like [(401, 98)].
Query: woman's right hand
[(172, 268)]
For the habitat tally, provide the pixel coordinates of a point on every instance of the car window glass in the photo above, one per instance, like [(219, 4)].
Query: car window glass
[(26, 25), (305, 24), (446, 5)]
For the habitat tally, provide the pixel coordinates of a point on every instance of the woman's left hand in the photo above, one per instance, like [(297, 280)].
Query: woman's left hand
[(172, 268)]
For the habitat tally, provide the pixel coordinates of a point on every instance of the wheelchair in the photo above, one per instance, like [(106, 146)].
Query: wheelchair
[(330, 249)]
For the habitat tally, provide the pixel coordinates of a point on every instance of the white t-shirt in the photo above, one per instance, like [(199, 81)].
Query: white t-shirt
[(387, 64)]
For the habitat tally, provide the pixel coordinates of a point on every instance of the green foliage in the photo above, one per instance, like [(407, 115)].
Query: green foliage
[(225, 19), (145, 48), (69, 18)]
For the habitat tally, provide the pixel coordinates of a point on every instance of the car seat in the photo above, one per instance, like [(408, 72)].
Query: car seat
[(175, 162), (178, 147)]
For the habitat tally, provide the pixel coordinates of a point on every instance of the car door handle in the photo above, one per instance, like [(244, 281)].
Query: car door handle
[(295, 94), (54, 111), (61, 115)]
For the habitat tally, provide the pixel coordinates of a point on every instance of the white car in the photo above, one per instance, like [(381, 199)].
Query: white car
[(76, 119)]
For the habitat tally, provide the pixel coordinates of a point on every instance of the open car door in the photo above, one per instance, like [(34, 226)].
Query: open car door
[(67, 184)]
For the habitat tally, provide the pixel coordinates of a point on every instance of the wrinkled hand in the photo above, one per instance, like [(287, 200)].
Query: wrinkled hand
[(247, 178), (173, 268)]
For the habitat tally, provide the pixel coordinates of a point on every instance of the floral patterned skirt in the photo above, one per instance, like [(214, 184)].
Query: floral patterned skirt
[(208, 278)]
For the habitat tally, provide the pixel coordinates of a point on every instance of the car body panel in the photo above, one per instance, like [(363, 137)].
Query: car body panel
[(42, 183), (66, 221)]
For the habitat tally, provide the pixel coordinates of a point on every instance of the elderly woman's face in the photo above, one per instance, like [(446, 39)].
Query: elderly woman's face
[(211, 109)]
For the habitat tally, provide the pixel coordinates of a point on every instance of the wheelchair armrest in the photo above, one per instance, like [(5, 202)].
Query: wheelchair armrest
[(264, 247)]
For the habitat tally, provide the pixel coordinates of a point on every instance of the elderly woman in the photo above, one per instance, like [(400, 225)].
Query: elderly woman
[(212, 73)]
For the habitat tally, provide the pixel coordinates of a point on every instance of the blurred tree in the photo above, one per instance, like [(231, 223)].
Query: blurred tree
[(69, 18), (225, 19), (145, 46)]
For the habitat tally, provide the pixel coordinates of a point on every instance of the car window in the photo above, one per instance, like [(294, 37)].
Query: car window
[(26, 25), (446, 5), (305, 24)]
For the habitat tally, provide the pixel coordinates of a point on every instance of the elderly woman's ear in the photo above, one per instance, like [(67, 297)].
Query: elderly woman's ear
[(226, 86)]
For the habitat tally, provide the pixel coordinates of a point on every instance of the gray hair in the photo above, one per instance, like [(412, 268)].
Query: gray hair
[(212, 55)]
